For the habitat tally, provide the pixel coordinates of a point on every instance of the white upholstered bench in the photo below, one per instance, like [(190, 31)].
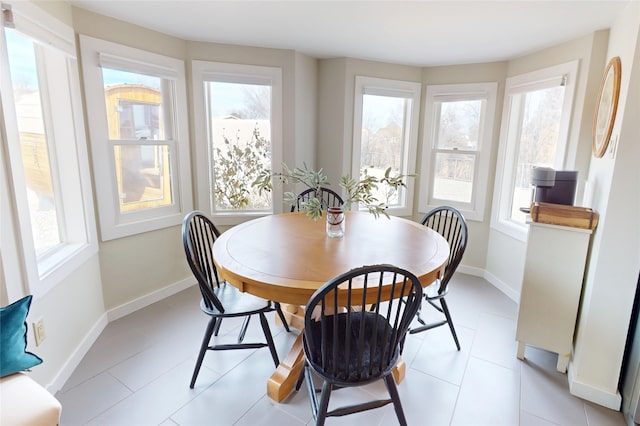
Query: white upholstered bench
[(24, 402)]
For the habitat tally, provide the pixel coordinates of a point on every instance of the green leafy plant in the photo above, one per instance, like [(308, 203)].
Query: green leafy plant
[(236, 164), (361, 190)]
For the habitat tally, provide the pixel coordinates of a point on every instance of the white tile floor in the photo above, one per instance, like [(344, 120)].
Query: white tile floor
[(138, 373)]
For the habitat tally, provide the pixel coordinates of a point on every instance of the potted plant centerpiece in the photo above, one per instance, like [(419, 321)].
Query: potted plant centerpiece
[(366, 191)]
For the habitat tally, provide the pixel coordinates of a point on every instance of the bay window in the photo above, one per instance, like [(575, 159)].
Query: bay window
[(137, 109), (457, 147), (535, 131), (385, 135), (238, 123), (46, 146)]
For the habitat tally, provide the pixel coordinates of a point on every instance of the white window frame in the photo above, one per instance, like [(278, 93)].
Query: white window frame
[(113, 223), (67, 151), (488, 92), (563, 74), (396, 88), (204, 71)]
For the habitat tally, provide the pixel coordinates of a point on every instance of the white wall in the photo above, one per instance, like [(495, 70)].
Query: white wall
[(505, 263), (74, 316), (333, 130), (612, 273), (305, 110)]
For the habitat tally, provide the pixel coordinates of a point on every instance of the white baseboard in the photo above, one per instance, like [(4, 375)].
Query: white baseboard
[(595, 395), (74, 360), (495, 281), (502, 286), (111, 315), (470, 270), (146, 300)]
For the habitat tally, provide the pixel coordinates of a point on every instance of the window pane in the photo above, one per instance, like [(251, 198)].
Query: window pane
[(240, 123), (458, 128), (454, 177), (33, 141), (542, 112), (459, 125), (135, 104), (142, 174), (383, 138)]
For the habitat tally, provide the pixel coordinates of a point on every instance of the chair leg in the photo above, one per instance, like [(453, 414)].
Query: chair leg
[(418, 317), (311, 390), (323, 405), (216, 330), (203, 349), (395, 397), (445, 309), (243, 329), (281, 315), (426, 326), (267, 335)]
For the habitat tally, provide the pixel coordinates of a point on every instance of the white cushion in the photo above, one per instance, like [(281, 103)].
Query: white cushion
[(24, 402)]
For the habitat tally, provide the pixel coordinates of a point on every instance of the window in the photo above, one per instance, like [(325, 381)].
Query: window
[(457, 147), (46, 160), (385, 134), (535, 129), (136, 104), (238, 110)]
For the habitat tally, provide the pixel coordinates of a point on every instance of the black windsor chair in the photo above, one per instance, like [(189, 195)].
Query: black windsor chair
[(220, 299), (358, 342), (328, 198), (448, 222)]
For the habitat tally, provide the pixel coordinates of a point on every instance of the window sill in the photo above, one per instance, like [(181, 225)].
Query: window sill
[(55, 267), (231, 219), (469, 215), (512, 229)]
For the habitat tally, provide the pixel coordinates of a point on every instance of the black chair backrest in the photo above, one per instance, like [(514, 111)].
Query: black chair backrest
[(449, 222), (198, 236), (360, 339), (328, 198)]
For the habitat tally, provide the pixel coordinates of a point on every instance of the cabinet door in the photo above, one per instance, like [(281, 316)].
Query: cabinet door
[(552, 283)]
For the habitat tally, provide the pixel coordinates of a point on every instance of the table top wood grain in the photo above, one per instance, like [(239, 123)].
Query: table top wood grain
[(286, 257)]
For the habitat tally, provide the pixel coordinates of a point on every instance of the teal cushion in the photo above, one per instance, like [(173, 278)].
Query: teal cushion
[(13, 338)]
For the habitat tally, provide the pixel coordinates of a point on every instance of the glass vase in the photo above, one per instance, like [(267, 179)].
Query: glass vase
[(335, 222)]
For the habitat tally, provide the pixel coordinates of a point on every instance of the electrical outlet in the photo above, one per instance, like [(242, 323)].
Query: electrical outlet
[(38, 331)]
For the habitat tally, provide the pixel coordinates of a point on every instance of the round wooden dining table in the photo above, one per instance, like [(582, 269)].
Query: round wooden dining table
[(287, 257)]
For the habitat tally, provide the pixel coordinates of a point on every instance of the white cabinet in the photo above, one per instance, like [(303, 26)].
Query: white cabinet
[(553, 273)]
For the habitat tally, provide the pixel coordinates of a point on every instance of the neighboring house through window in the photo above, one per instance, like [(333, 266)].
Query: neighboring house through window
[(140, 145), (238, 123)]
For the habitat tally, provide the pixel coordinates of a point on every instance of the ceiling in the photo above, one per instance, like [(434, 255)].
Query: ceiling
[(420, 33)]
